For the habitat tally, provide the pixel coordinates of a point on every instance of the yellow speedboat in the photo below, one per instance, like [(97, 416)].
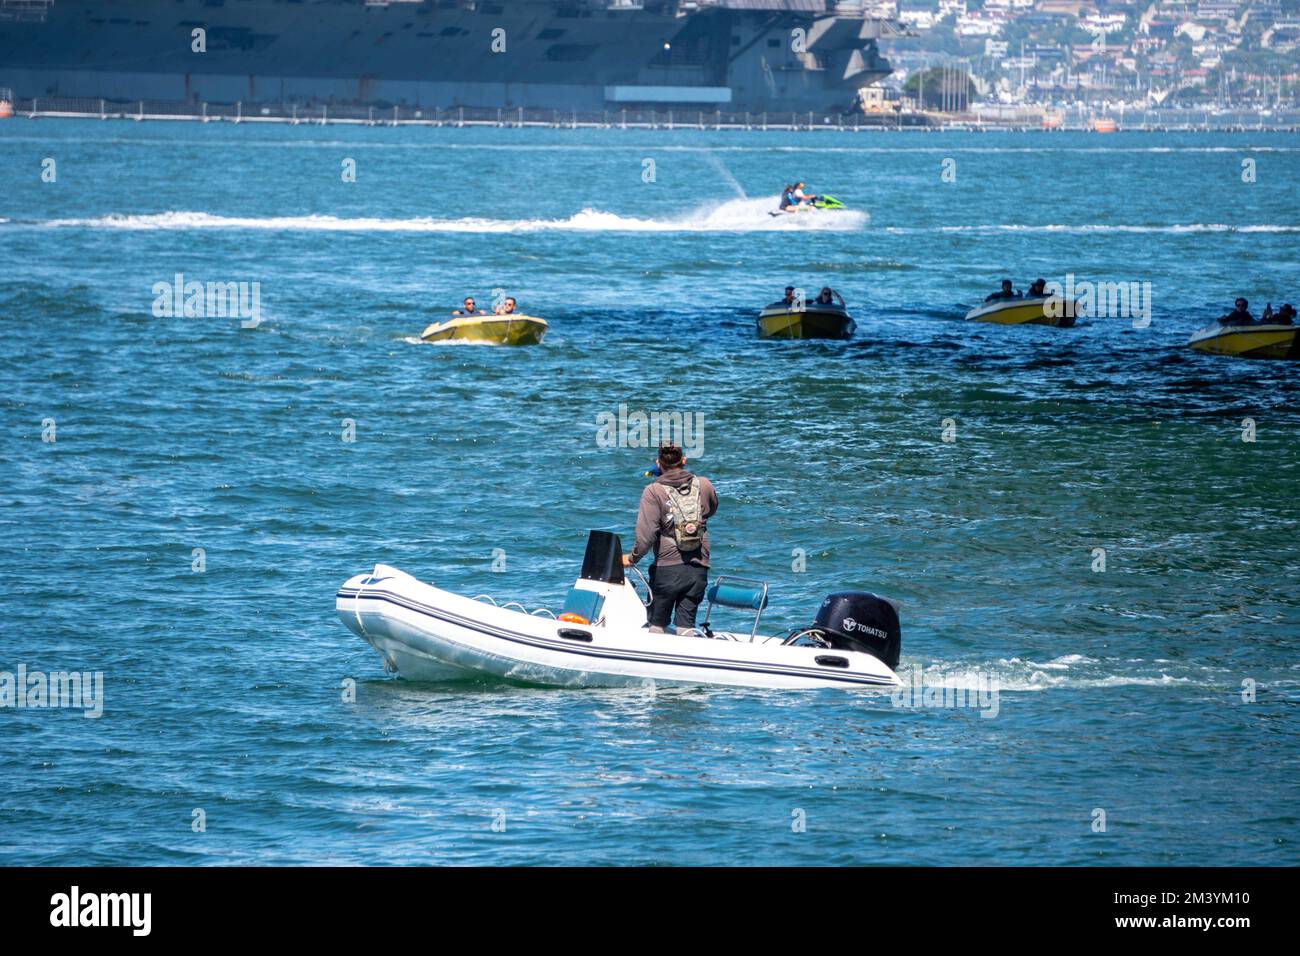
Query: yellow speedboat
[(1249, 341), (815, 320), (510, 329), (1036, 310)]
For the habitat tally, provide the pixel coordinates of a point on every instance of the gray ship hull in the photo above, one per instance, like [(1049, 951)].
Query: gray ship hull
[(732, 55)]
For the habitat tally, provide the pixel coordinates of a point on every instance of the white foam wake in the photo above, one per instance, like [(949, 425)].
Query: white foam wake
[(1070, 671), (736, 215)]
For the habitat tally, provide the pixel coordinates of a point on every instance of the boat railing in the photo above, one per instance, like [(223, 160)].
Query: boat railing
[(632, 116), (313, 112), (512, 605)]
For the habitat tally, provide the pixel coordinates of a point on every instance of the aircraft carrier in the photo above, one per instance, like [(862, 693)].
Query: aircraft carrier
[(728, 55)]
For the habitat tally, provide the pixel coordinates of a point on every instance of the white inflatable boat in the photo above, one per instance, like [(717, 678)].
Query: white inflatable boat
[(600, 637)]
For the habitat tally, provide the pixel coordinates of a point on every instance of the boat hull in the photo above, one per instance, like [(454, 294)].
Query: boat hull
[(425, 633), (435, 57), (489, 329), (1041, 310), (810, 323), (1249, 341)]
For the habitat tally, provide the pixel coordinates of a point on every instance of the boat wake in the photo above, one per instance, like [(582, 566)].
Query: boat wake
[(735, 215), (1070, 671), (449, 343)]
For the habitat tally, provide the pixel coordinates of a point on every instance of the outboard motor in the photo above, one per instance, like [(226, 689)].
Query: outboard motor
[(861, 621)]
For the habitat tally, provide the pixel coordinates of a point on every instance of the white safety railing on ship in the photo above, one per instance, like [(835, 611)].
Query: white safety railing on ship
[(979, 117)]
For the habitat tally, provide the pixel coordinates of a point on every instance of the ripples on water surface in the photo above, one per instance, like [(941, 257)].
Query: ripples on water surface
[(1120, 690)]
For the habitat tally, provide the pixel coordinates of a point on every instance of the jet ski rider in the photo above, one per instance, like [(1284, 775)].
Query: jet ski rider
[(672, 522), (787, 200), (800, 198)]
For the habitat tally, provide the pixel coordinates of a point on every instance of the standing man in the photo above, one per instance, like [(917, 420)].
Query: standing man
[(672, 522)]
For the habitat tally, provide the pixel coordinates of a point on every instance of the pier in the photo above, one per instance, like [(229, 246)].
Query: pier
[(324, 114)]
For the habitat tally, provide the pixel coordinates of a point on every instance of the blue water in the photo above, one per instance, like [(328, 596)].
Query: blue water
[(1120, 690)]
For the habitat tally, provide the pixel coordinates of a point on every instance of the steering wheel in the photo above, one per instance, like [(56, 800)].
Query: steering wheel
[(649, 594)]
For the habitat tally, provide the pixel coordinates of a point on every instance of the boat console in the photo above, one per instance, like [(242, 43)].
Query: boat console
[(847, 620)]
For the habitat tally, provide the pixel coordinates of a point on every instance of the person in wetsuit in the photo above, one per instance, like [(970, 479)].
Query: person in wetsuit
[(800, 198)]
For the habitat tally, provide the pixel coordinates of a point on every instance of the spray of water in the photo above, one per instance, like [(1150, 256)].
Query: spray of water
[(725, 173)]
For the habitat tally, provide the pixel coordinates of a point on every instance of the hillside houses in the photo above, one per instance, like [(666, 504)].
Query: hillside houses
[(1210, 48)]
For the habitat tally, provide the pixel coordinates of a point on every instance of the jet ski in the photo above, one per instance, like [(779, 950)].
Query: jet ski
[(1272, 341), (510, 329), (1031, 310), (599, 638), (812, 320), (819, 202)]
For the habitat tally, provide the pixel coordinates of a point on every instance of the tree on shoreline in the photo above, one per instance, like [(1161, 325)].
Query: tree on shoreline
[(940, 88)]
